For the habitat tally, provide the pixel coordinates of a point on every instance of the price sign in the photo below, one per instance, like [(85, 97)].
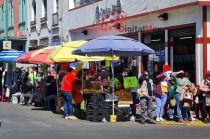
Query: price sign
[(130, 82)]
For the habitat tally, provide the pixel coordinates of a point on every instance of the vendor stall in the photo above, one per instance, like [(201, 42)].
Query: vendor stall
[(111, 46)]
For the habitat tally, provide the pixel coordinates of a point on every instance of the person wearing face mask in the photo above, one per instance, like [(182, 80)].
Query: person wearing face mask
[(181, 81), (145, 93)]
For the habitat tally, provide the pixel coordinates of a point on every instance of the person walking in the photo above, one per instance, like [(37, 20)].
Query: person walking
[(66, 93), (161, 96), (145, 93)]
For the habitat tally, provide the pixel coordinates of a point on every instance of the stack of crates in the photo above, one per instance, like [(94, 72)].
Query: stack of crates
[(97, 108)]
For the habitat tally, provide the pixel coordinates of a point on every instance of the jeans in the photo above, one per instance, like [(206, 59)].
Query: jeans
[(50, 102), (68, 109), (171, 111), (160, 102), (146, 106), (179, 105), (135, 101), (186, 113)]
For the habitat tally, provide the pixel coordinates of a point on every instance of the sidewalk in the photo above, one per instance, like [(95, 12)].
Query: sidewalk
[(193, 123)]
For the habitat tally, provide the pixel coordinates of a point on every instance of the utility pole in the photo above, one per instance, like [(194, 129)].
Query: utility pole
[(6, 19)]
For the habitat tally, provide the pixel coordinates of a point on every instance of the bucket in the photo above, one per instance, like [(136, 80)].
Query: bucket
[(113, 118)]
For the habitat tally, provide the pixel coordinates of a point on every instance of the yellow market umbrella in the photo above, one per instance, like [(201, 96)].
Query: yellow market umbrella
[(63, 53)]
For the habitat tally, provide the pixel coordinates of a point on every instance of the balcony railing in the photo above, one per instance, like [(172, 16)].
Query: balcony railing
[(55, 19)]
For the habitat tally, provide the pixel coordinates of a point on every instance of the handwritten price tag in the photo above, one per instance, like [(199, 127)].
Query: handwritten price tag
[(130, 82)]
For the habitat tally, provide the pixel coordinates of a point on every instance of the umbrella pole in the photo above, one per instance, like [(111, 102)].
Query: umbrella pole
[(82, 76), (112, 66)]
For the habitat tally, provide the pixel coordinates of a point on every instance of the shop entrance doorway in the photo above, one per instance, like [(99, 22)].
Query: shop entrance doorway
[(184, 52)]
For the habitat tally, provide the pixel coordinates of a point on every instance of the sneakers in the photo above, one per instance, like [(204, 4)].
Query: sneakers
[(158, 119), (70, 118), (180, 121), (132, 118), (162, 120), (142, 121), (66, 117)]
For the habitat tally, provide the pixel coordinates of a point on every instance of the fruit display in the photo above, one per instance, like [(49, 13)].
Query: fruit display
[(92, 87), (124, 96)]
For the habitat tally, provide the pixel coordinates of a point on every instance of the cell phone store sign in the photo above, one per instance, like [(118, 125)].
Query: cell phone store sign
[(110, 18)]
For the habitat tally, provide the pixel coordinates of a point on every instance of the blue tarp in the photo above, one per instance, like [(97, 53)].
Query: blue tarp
[(10, 56)]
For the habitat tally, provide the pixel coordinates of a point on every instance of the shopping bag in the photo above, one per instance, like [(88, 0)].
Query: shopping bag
[(7, 92)]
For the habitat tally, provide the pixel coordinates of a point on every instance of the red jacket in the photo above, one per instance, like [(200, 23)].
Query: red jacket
[(68, 80)]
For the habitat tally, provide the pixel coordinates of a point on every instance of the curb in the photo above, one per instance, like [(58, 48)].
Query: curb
[(193, 123)]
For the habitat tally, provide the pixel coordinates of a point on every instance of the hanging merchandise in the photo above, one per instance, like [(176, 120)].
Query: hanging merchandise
[(107, 63)]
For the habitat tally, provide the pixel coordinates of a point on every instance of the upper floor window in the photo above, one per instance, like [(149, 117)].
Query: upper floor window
[(22, 11), (44, 8), (11, 13), (78, 3), (56, 6), (1, 17), (33, 11)]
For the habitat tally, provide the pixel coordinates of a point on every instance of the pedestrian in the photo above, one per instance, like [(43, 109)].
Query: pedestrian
[(205, 91), (171, 97), (181, 81), (66, 89), (187, 96), (146, 96), (161, 96)]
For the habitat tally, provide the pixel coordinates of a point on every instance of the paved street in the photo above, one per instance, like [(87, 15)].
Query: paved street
[(20, 122)]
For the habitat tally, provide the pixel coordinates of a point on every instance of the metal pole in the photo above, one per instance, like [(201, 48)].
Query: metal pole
[(6, 19), (112, 66)]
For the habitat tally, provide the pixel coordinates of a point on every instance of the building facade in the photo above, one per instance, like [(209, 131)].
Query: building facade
[(44, 26), (178, 30), (13, 24)]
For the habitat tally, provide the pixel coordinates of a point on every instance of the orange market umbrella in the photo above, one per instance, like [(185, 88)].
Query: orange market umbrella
[(25, 57), (42, 56)]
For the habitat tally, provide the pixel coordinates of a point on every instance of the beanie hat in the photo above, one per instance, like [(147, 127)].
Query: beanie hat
[(166, 68)]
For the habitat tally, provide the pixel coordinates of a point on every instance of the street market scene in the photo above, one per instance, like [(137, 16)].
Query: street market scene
[(105, 69)]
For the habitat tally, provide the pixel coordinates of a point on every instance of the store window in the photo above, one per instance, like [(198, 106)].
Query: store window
[(154, 62), (184, 51)]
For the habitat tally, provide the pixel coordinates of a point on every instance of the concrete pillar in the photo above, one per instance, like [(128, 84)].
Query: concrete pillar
[(139, 58), (166, 47), (208, 39), (171, 54), (199, 45)]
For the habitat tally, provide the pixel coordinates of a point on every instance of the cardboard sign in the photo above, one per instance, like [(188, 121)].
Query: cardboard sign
[(130, 82)]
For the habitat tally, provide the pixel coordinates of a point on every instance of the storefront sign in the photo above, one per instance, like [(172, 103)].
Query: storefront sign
[(7, 45), (130, 82)]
